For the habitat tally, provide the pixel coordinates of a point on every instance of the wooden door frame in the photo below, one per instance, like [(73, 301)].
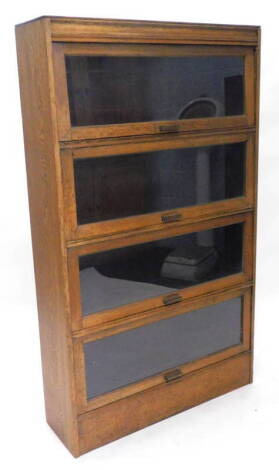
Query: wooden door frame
[(75, 232), (80, 322), (68, 133)]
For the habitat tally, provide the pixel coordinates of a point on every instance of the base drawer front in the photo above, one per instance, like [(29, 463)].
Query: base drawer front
[(123, 417), (131, 356)]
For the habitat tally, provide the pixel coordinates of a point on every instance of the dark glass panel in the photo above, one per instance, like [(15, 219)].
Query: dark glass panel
[(114, 90), (133, 355), (121, 276), (123, 186)]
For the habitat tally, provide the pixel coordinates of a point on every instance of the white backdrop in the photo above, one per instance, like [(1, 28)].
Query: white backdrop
[(237, 430)]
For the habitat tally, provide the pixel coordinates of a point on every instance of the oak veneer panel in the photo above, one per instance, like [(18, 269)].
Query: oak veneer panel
[(45, 199), (83, 148), (255, 182), (92, 30), (120, 418)]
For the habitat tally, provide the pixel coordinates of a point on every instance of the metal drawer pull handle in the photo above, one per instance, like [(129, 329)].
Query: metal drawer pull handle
[(169, 128), (173, 375), (167, 218), (172, 299)]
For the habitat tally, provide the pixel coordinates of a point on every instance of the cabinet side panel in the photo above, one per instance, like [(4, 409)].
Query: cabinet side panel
[(45, 199), (256, 156)]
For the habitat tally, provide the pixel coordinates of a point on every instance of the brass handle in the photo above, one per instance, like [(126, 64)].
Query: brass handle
[(167, 218), (169, 128), (173, 375), (172, 299)]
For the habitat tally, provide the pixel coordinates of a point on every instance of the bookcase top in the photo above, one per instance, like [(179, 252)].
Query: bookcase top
[(67, 29)]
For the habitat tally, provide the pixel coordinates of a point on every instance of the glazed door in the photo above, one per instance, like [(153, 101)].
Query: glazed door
[(110, 189), (158, 349), (108, 90), (112, 279)]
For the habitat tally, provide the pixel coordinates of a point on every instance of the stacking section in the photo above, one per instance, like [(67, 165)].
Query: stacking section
[(162, 347), (112, 90), (113, 279), (122, 187), (141, 150)]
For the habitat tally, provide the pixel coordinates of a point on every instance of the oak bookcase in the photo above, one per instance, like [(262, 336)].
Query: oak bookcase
[(141, 142)]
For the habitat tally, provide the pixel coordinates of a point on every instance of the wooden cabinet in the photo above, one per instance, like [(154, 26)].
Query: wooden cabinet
[(141, 146)]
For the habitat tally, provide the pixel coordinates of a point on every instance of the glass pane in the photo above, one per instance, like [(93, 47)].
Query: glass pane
[(125, 275), (123, 186), (133, 355), (115, 90)]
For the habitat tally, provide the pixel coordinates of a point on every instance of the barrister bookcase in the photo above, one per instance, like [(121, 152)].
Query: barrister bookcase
[(141, 143)]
